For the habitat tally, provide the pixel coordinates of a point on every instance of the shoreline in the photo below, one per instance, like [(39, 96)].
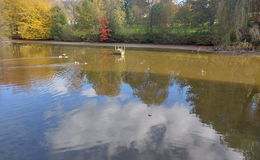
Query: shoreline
[(191, 48)]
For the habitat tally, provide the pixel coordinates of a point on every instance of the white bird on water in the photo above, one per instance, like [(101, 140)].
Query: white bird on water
[(63, 56), (203, 72)]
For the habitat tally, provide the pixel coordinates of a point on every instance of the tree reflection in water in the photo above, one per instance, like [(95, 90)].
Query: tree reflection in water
[(152, 89), (231, 109)]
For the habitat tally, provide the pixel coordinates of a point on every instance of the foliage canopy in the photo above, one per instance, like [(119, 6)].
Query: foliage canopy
[(157, 21)]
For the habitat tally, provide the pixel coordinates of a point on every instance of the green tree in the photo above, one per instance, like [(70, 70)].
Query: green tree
[(115, 13), (136, 11), (58, 21), (197, 14), (162, 14), (86, 21), (86, 16)]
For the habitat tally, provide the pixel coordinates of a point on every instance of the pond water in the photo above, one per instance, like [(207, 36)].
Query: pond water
[(148, 105)]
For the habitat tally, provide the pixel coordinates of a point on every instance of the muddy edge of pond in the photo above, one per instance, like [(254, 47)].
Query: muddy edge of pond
[(191, 48)]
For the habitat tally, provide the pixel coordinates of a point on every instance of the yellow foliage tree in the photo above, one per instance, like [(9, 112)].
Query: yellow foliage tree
[(30, 18), (3, 25), (100, 5)]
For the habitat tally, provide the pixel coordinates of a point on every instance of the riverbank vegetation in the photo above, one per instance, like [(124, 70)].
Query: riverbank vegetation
[(234, 24)]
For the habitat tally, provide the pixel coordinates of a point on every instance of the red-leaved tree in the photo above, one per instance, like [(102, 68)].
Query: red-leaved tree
[(104, 30)]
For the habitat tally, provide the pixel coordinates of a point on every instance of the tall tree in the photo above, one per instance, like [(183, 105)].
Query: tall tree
[(162, 14), (4, 30), (86, 16), (58, 21), (115, 13), (70, 8), (197, 13), (137, 11), (35, 20), (30, 20)]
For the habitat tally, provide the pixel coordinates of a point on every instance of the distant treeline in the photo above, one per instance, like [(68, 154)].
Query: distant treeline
[(205, 22)]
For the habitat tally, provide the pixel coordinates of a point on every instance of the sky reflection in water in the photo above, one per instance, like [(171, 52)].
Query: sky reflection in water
[(112, 130)]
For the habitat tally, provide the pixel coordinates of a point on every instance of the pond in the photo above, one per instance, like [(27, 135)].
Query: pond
[(150, 104)]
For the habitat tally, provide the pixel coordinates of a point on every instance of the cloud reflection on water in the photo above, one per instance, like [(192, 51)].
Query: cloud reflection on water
[(89, 92), (111, 130)]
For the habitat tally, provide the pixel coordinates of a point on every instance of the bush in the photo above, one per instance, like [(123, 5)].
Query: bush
[(129, 38), (68, 34), (196, 38), (87, 36), (237, 46), (164, 38)]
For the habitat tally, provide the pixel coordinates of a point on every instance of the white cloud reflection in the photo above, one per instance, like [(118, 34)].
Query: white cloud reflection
[(89, 92), (59, 86), (170, 133)]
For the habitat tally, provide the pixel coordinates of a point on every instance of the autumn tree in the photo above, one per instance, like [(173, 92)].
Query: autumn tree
[(4, 30), (30, 19), (35, 20), (104, 31), (12, 10), (99, 7)]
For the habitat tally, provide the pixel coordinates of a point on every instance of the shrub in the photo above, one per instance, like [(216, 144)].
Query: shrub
[(244, 46), (68, 34), (104, 30), (88, 36), (165, 38)]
